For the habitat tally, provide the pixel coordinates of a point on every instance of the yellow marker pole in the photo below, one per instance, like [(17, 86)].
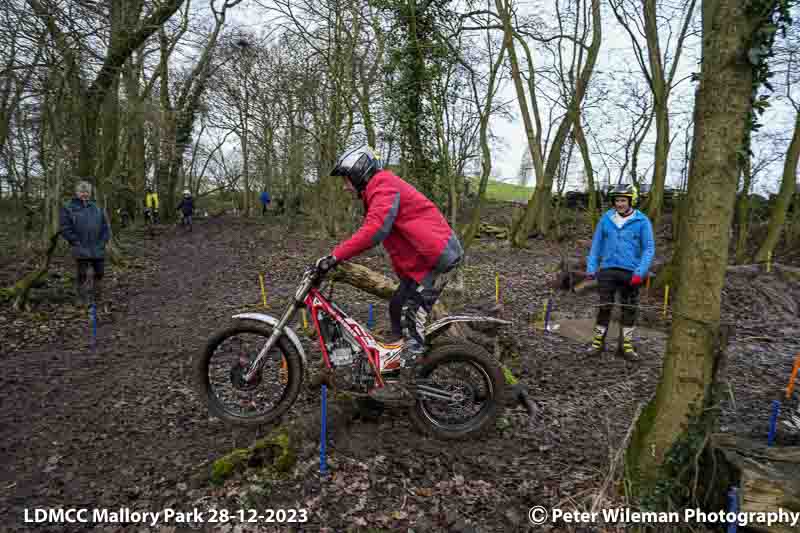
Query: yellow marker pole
[(769, 262), (496, 288), (666, 300), (305, 319), (263, 290), (647, 286)]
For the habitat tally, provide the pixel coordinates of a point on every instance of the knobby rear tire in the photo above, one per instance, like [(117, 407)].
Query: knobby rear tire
[(294, 379), (466, 352)]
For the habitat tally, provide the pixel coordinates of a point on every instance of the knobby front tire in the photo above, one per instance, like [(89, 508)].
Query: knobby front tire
[(209, 395)]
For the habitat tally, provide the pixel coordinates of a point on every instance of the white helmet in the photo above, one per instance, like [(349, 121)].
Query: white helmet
[(186, 192)]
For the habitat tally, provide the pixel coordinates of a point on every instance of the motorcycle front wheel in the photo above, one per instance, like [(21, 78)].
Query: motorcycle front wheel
[(219, 375)]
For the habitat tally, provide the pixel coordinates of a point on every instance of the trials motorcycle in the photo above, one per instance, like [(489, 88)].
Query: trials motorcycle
[(251, 371)]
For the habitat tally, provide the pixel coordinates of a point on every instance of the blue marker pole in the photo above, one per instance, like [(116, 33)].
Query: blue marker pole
[(371, 319), (733, 507), (93, 323), (547, 315), (323, 465), (773, 422)]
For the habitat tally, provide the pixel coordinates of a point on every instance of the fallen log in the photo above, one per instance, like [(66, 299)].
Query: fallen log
[(496, 231), (768, 477), (18, 293), (787, 273)]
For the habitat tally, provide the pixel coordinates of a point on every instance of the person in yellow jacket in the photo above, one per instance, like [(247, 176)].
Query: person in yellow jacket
[(151, 206)]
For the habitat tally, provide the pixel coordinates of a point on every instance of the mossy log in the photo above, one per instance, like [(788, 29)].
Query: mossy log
[(497, 232), (18, 292), (297, 439), (768, 478)]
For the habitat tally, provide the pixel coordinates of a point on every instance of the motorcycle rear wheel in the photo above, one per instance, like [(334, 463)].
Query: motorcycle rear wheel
[(485, 392)]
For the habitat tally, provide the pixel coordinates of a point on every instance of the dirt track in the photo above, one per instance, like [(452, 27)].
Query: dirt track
[(121, 428)]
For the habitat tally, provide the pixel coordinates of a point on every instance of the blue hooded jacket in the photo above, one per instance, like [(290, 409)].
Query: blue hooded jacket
[(265, 199), (85, 228), (630, 247)]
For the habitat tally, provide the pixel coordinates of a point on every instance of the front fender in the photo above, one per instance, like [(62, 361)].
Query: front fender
[(441, 325), (272, 321)]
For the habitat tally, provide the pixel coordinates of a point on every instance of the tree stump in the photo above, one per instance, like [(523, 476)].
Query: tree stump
[(768, 477)]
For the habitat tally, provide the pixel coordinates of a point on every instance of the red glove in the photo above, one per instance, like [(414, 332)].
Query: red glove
[(636, 280)]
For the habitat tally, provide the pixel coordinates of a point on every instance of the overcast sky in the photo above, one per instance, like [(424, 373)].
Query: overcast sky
[(605, 120)]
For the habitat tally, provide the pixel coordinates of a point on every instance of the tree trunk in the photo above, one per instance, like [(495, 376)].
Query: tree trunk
[(743, 211), (785, 196), (655, 199), (580, 137), (722, 109), (660, 101)]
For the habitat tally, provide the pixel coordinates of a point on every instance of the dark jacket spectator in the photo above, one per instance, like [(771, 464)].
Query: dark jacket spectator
[(84, 226), (187, 205)]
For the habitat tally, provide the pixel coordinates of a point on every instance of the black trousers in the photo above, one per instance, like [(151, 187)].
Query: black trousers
[(412, 303), (98, 270), (609, 282)]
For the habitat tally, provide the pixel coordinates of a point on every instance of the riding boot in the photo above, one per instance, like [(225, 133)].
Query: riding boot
[(628, 349), (599, 340)]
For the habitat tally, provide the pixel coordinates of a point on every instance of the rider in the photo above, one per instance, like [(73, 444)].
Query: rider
[(151, 204), (187, 208), (623, 245), (419, 241)]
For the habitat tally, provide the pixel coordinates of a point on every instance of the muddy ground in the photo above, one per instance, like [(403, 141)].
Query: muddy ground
[(119, 426)]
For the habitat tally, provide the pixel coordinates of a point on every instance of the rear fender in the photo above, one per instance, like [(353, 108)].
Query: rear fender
[(443, 324)]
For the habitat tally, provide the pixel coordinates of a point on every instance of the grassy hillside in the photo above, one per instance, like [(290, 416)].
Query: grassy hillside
[(506, 192)]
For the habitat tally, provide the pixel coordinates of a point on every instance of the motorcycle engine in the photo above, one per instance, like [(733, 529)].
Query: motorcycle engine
[(340, 350)]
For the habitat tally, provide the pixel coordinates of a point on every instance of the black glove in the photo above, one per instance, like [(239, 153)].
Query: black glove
[(324, 264)]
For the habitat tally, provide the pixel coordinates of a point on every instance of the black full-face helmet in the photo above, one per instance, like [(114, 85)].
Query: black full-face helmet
[(358, 165)]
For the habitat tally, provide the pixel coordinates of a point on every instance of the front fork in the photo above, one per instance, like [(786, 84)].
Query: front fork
[(258, 363)]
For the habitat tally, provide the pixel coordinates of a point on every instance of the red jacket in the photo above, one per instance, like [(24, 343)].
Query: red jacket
[(412, 229)]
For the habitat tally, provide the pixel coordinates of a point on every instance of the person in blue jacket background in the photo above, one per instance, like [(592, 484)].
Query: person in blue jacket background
[(622, 250), (265, 200), (85, 227)]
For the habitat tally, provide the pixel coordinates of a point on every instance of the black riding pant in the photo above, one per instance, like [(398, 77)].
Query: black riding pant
[(98, 270), (609, 282), (412, 303)]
